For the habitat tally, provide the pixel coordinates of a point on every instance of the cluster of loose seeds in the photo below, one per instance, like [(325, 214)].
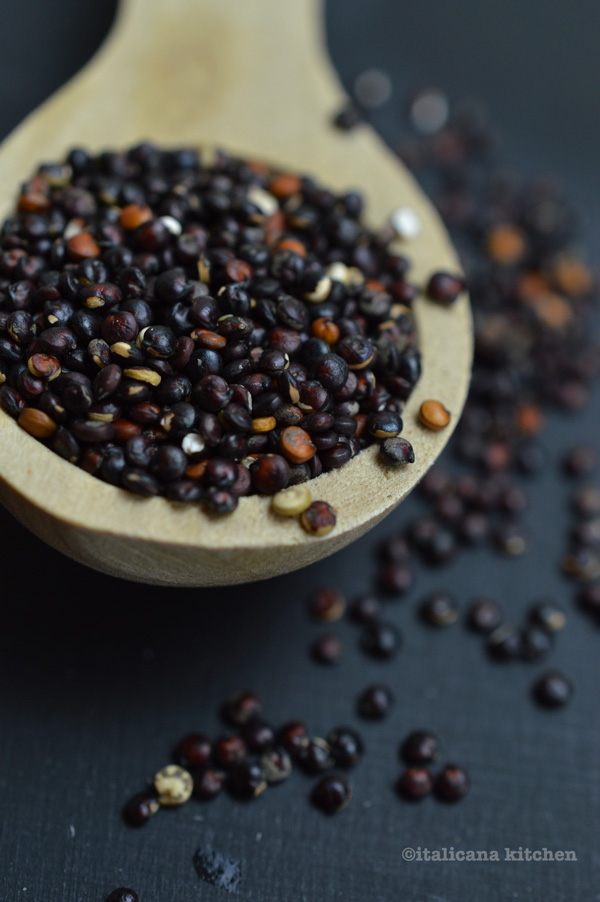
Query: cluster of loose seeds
[(419, 750), (205, 330), (247, 760)]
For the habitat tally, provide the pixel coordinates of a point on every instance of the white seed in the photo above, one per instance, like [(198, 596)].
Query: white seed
[(173, 225), (355, 277), (192, 443), (59, 176), (173, 784), (72, 228), (249, 460), (203, 270), (338, 272), (429, 111), (292, 501), (321, 291), (372, 88), (94, 301), (406, 223), (266, 203), (143, 374), (121, 349), (397, 310), (140, 336)]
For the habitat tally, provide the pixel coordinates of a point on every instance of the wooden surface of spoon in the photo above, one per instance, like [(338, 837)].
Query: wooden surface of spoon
[(254, 78)]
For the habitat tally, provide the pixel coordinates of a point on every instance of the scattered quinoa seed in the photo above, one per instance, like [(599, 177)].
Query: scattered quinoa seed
[(292, 502), (173, 785), (434, 415)]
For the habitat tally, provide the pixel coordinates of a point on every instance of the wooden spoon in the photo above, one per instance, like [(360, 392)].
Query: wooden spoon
[(252, 77)]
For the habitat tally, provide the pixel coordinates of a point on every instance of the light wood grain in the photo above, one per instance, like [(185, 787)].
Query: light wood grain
[(253, 77)]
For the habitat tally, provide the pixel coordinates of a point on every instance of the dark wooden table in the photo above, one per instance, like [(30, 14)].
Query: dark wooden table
[(98, 677)]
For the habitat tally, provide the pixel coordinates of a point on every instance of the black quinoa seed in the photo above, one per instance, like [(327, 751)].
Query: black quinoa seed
[(194, 751), (452, 783), (484, 615), (375, 702), (505, 642), (230, 752), (346, 746), (332, 793), (548, 616), (380, 640), (327, 649), (396, 452), (293, 736), (208, 783), (242, 708), (366, 609), (552, 690), (258, 735), (439, 609), (247, 782), (420, 747), (536, 643), (414, 784), (315, 757), (140, 808)]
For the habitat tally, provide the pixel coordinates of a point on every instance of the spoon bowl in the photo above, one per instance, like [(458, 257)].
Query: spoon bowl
[(253, 78)]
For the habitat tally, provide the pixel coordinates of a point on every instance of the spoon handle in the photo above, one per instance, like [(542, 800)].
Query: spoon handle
[(265, 53)]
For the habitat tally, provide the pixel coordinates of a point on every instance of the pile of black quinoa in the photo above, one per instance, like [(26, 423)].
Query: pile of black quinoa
[(201, 330)]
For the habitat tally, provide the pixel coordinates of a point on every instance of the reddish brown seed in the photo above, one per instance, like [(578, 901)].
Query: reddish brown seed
[(434, 415), (292, 244), (296, 445), (319, 519), (572, 276), (36, 422), (506, 244), (284, 185), (361, 424), (325, 329), (44, 366), (206, 339), (82, 247), (238, 271), (196, 471), (33, 202), (133, 216), (530, 419), (125, 429)]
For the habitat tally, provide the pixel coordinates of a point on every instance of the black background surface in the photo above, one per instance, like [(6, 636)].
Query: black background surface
[(98, 676)]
